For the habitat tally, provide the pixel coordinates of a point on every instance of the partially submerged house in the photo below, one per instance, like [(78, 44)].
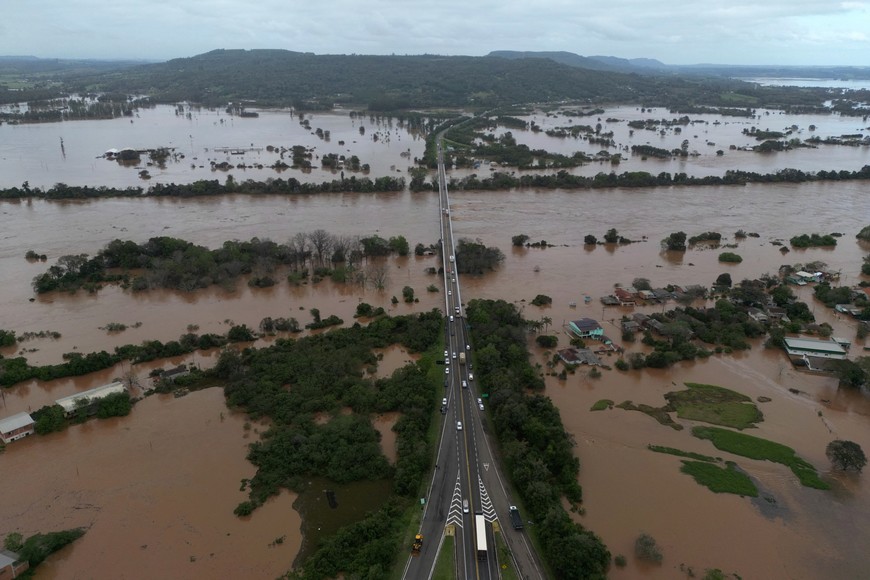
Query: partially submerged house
[(579, 356), (586, 328), (88, 399), (14, 428)]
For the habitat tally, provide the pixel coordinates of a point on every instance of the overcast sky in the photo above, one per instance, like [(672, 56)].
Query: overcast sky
[(814, 32)]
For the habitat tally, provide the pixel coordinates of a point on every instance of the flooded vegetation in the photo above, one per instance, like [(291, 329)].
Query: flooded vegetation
[(136, 482)]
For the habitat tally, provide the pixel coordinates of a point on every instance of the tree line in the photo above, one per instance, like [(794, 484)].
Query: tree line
[(565, 180), (166, 262), (209, 187)]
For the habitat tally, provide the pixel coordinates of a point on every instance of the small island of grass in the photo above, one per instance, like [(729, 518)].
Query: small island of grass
[(758, 448), (715, 405), (717, 479), (602, 405)]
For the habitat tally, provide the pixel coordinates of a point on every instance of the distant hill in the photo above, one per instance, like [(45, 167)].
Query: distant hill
[(281, 77), (604, 63)]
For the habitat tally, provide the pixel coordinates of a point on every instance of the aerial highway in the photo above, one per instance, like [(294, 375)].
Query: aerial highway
[(467, 496)]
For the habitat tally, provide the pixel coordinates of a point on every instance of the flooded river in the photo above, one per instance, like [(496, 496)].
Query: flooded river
[(167, 476)]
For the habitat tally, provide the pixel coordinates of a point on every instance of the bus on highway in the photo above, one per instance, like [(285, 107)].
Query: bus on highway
[(480, 526)]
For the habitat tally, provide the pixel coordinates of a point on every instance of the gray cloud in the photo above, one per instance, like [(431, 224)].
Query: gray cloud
[(738, 31)]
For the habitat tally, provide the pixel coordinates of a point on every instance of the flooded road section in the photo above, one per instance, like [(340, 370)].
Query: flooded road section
[(156, 491)]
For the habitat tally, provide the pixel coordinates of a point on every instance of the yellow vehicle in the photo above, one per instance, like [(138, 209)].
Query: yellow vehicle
[(418, 543)]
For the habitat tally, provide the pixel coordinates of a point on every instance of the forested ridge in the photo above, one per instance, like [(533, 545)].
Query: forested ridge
[(309, 81)]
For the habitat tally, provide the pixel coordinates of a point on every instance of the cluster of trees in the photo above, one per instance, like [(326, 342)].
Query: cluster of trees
[(7, 337), (206, 187), (538, 451), (473, 257), (17, 369), (675, 242), (178, 264), (51, 418), (324, 373), (565, 180), (813, 240)]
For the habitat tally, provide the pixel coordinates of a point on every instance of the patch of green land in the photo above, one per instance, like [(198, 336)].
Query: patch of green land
[(720, 479), (660, 414), (680, 453), (602, 405), (715, 405), (758, 448), (444, 568)]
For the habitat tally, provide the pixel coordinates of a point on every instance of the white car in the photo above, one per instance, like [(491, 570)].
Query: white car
[(467, 347), (447, 370), (459, 425), (451, 318), (470, 376), (464, 384), (445, 354), (454, 356), (450, 292)]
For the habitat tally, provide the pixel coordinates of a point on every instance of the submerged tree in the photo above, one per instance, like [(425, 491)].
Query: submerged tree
[(846, 455)]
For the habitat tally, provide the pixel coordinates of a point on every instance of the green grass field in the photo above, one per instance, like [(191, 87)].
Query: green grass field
[(602, 405), (758, 448), (680, 453), (720, 479), (715, 405), (444, 568)]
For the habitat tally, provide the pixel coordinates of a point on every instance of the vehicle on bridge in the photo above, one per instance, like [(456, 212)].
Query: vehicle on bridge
[(516, 519), (461, 357), (480, 528)]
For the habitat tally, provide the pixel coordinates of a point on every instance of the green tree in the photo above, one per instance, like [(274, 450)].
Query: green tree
[(846, 455), (542, 300), (49, 419), (13, 541), (519, 240), (612, 236), (547, 341), (400, 245), (676, 242), (724, 280), (645, 548), (590, 240), (408, 294), (7, 337)]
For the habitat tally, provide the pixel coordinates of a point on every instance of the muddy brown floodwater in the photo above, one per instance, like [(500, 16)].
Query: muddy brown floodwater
[(156, 492), (167, 477)]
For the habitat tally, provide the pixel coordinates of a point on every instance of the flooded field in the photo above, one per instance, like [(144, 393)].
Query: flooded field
[(107, 475), (156, 492)]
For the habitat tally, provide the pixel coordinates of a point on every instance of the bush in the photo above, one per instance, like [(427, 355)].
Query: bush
[(620, 561), (730, 257), (547, 341), (621, 365), (645, 548), (542, 300), (590, 240), (724, 279)]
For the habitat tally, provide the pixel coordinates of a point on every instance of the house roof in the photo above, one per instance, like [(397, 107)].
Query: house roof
[(7, 558), (586, 324), (69, 403), (15, 422), (828, 346)]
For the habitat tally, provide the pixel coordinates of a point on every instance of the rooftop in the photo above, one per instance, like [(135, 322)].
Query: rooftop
[(15, 422), (69, 403), (828, 346)]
